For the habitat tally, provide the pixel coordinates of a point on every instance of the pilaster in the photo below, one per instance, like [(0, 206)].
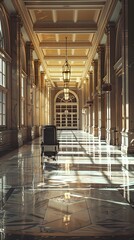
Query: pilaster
[(37, 64), (127, 145), (95, 98), (36, 106), (87, 94), (16, 69), (42, 92), (90, 102), (16, 78), (101, 98), (30, 89), (110, 96)]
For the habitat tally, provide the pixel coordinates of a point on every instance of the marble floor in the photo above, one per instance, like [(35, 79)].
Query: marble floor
[(87, 193)]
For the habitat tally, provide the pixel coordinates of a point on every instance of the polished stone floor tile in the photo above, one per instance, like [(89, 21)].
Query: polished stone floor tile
[(87, 193)]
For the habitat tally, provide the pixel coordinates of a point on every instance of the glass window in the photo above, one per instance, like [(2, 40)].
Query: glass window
[(3, 78), (1, 36), (2, 90), (2, 108), (22, 100)]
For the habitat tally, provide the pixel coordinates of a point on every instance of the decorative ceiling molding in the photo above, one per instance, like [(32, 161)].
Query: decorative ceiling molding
[(60, 58), (61, 45), (65, 27), (68, 4), (47, 24)]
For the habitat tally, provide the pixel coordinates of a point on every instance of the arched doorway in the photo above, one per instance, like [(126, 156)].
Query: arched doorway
[(66, 111)]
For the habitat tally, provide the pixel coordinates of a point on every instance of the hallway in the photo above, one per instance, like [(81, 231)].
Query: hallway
[(86, 193)]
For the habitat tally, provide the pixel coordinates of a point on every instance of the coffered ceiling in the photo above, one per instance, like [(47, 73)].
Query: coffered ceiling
[(47, 23)]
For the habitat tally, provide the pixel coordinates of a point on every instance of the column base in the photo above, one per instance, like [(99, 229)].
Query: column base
[(127, 145), (108, 136), (95, 131), (101, 133), (90, 130), (114, 137), (30, 132), (10, 139)]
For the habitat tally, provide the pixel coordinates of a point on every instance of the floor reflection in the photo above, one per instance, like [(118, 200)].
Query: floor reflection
[(88, 192)]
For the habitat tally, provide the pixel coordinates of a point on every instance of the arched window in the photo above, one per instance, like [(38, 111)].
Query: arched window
[(2, 80), (4, 64), (1, 36), (66, 111)]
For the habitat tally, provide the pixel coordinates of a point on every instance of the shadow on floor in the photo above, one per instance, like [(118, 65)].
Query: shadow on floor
[(29, 237)]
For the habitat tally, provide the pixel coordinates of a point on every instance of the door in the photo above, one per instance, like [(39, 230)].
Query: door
[(66, 112)]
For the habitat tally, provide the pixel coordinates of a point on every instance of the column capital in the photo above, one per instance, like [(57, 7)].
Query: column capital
[(17, 18), (29, 45), (94, 62), (42, 72), (37, 62), (100, 48), (90, 72), (110, 26)]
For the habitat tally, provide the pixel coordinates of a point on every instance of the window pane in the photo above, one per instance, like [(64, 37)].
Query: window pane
[(4, 109), (4, 81), (0, 78), (1, 36), (4, 97), (4, 67), (0, 108), (3, 77), (4, 120), (0, 65)]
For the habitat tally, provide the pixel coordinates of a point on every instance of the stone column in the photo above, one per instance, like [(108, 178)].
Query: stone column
[(87, 94), (90, 102), (110, 96), (15, 53), (42, 91), (37, 64), (83, 104), (101, 99), (127, 145), (95, 98), (30, 89), (16, 78)]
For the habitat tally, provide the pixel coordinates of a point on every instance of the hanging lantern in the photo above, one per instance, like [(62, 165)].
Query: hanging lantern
[(66, 69)]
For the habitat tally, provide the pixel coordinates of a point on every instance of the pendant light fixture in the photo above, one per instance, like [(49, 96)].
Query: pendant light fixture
[(66, 92), (66, 69)]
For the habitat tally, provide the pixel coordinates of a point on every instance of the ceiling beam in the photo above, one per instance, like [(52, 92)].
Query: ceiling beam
[(61, 45), (53, 68), (73, 78), (60, 58), (66, 27), (81, 4)]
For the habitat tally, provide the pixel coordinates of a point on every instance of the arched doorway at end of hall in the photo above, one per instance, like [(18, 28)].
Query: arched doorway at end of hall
[(66, 112)]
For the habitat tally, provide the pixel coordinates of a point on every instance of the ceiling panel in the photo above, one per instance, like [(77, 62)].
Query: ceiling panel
[(51, 21)]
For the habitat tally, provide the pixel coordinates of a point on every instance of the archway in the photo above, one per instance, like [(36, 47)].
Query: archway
[(66, 111)]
